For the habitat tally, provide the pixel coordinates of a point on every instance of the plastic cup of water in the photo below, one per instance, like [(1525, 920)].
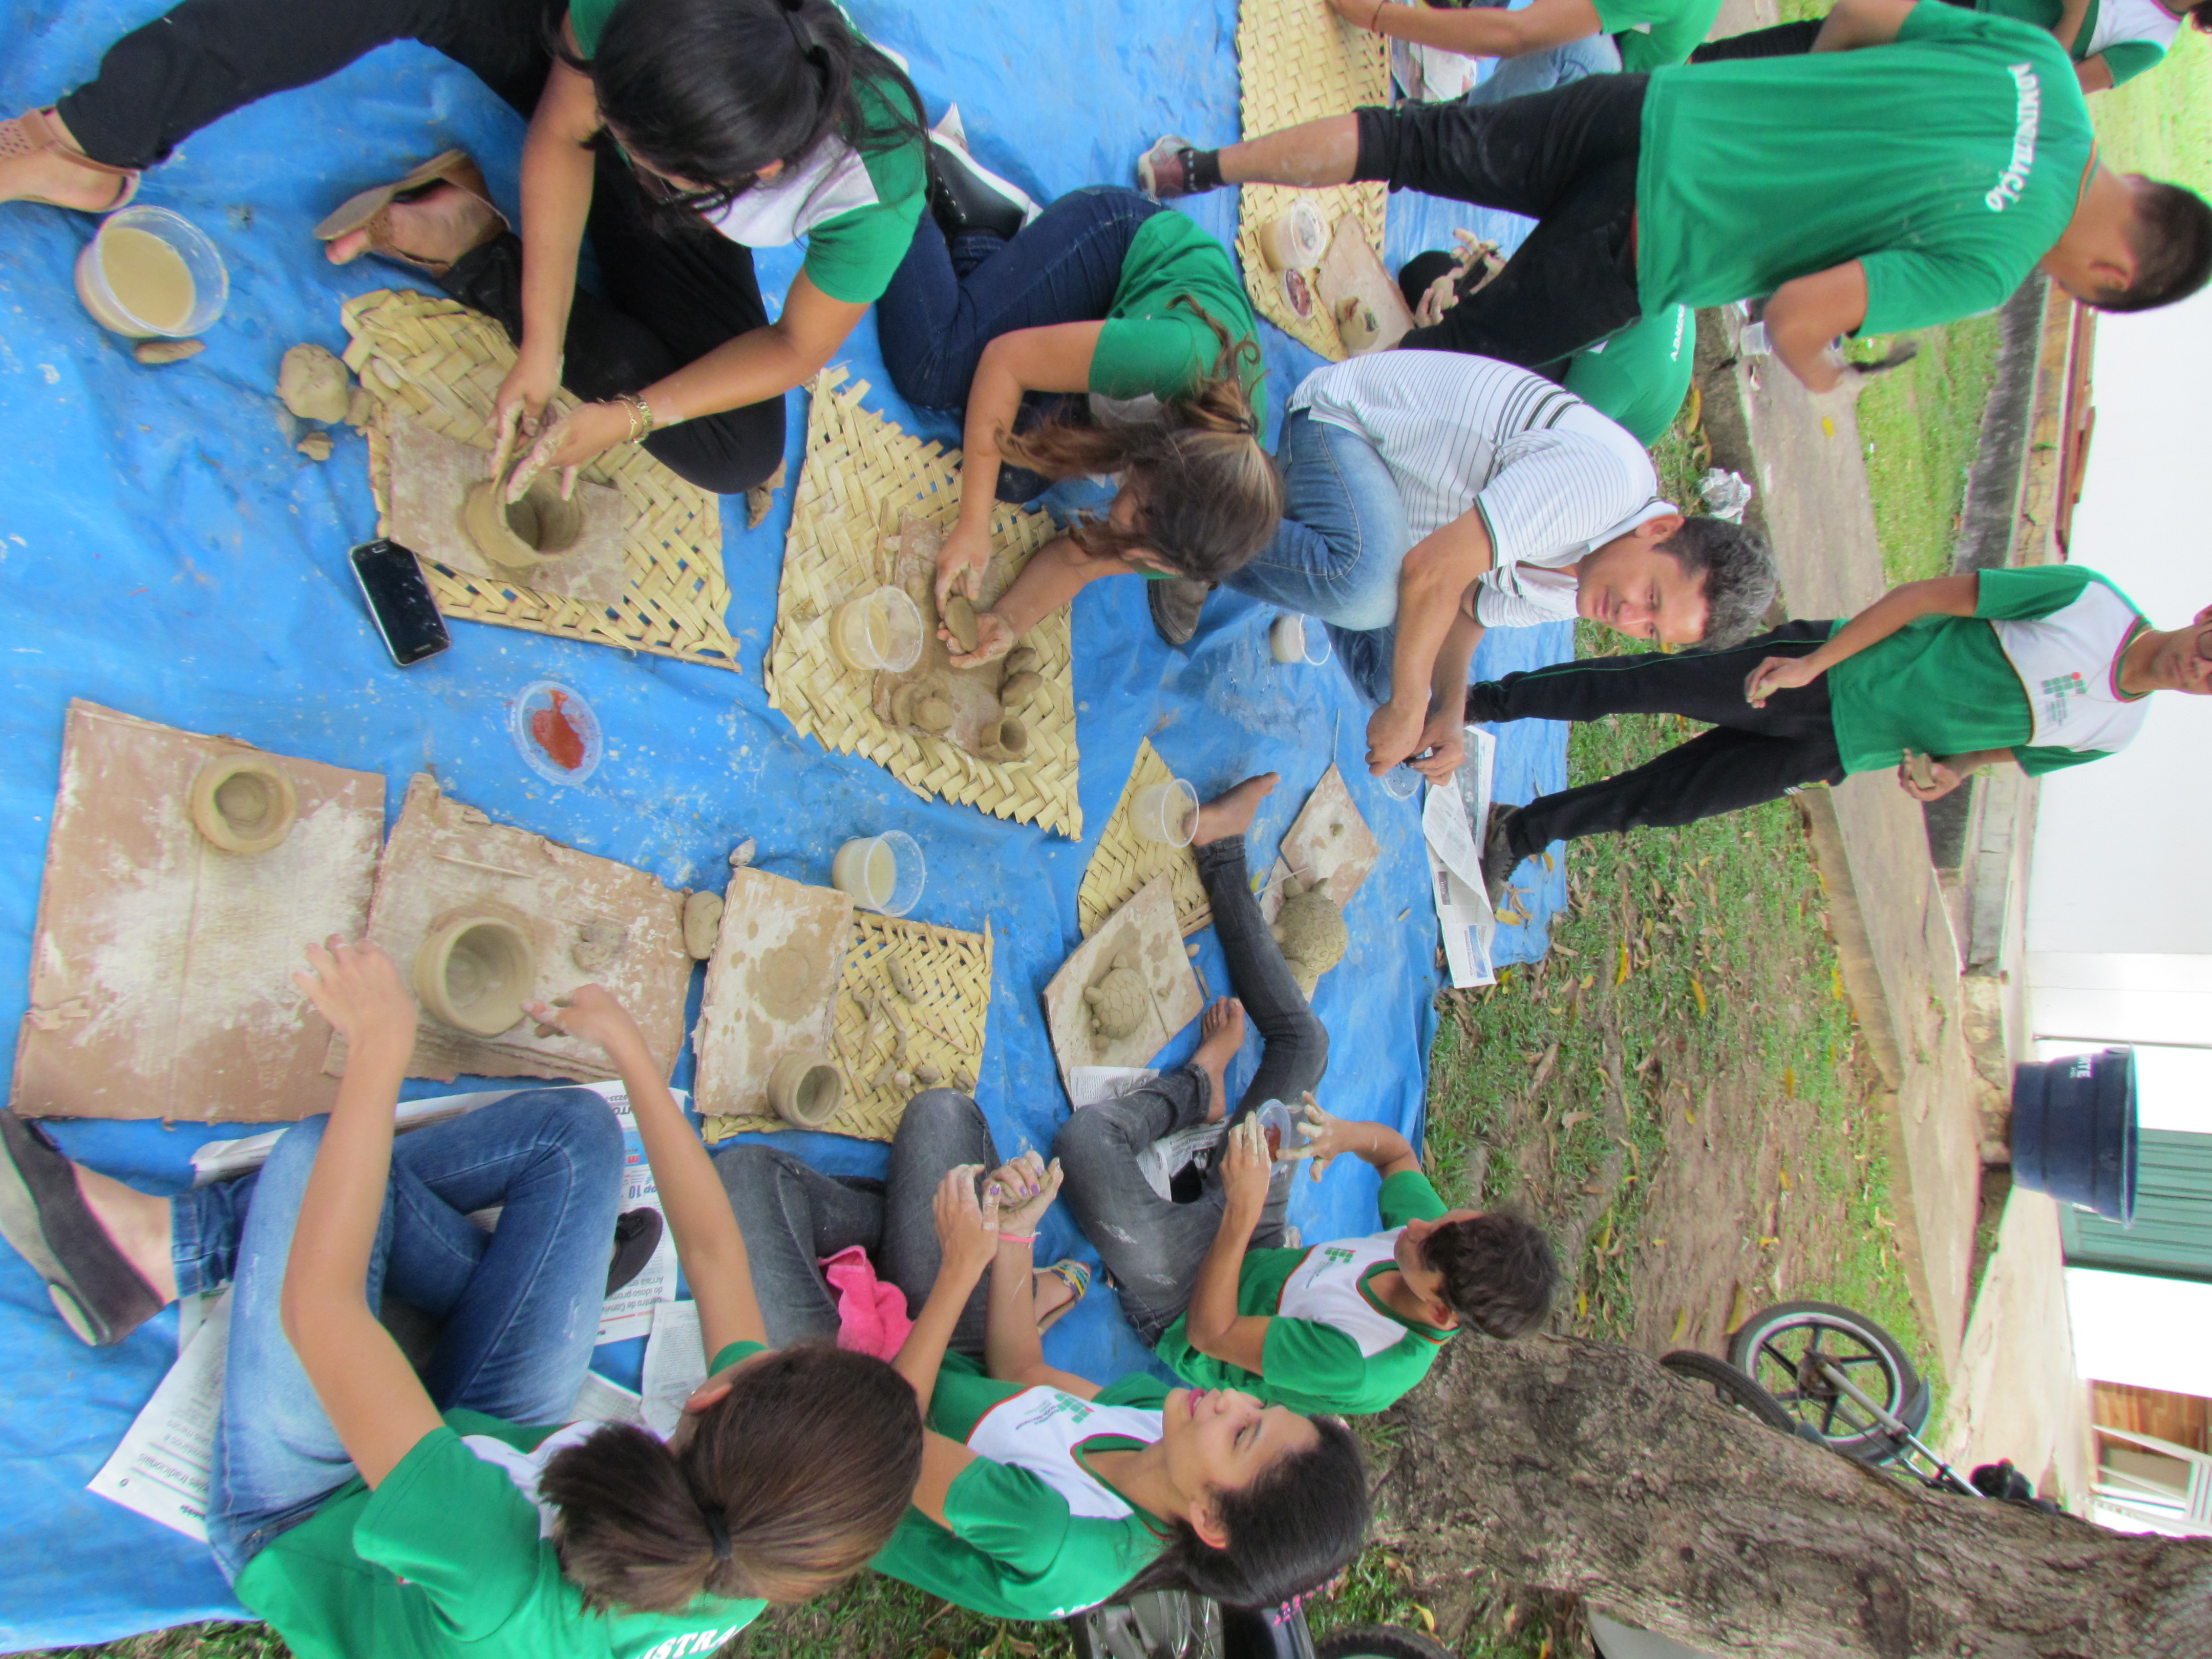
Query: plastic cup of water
[(152, 274), (880, 630), (883, 873), (1166, 813), (1401, 782), (1278, 1124)]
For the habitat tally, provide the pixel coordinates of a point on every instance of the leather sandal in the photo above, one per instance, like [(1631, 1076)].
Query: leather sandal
[(101, 1296), (1072, 1273), (35, 131), (371, 210)]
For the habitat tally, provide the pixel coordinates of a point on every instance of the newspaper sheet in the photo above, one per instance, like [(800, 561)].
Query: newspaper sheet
[(160, 1470), (1452, 821)]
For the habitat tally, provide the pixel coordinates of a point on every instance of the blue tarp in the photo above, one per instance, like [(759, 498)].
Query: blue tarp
[(163, 550)]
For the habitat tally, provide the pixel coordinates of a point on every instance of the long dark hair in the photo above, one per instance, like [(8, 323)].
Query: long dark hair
[(714, 90), (788, 1485), (1292, 1529), (1208, 497)]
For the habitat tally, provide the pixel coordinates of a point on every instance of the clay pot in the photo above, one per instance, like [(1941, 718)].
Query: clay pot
[(1004, 739), (473, 972), (517, 534), (242, 803), (805, 1090)]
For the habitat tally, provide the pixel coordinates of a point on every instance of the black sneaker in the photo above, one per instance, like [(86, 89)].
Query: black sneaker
[(961, 200), (1175, 602), (637, 1236), (1499, 861)]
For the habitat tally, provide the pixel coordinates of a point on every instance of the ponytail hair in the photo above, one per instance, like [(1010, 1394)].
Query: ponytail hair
[(1208, 498), (1292, 1529), (788, 1485), (712, 91)]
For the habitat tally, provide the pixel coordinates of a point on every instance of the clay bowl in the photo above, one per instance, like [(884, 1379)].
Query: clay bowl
[(242, 803), (805, 1090), (473, 972), (519, 534)]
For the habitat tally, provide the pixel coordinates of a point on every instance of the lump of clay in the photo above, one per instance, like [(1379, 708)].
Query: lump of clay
[(742, 853), (1310, 929), (597, 943), (960, 622), (1022, 659), (314, 384), (1119, 1000), (1016, 689), (155, 352), (934, 712), (703, 923), (316, 445)]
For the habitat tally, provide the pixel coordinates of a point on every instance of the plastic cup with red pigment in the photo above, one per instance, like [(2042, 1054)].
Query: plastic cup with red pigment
[(555, 731)]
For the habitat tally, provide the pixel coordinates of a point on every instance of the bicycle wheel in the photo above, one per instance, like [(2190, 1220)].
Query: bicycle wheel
[(1785, 1349), (1379, 1642), (1730, 1387)]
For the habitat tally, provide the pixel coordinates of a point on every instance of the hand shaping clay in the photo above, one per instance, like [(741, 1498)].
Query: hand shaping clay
[(703, 924), (474, 971), (1118, 1001), (1015, 689), (155, 352), (242, 803), (314, 384), (1310, 929), (960, 622), (517, 534), (804, 1090), (597, 943)]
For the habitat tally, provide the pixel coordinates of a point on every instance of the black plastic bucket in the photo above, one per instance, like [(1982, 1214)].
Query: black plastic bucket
[(2074, 1130)]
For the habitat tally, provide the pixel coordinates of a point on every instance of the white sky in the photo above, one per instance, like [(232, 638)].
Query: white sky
[(2121, 844)]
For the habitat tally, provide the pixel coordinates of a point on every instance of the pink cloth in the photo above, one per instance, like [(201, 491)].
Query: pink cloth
[(872, 1316)]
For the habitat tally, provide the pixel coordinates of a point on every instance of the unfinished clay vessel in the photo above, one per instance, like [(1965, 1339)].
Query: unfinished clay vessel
[(960, 622), (1310, 929), (242, 803), (1003, 739), (314, 384), (1020, 660), (703, 924), (473, 972), (1016, 690), (1119, 1000), (517, 534), (804, 1090)]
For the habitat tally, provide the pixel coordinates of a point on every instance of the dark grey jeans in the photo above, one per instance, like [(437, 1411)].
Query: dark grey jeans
[(794, 1216), (1153, 1247)]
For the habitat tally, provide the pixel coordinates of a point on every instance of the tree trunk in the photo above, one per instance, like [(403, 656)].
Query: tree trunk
[(1585, 1468)]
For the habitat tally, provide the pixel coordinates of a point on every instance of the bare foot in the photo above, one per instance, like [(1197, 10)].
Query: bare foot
[(52, 178), (1222, 1028), (1232, 814), (439, 227), (136, 1224)]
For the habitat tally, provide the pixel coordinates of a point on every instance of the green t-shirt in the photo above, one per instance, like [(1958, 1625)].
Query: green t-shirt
[(444, 1559), (1015, 1547), (1311, 1364), (1640, 375), (858, 214), (1946, 163), (2126, 58), (2039, 658), (1653, 34), (1150, 344)]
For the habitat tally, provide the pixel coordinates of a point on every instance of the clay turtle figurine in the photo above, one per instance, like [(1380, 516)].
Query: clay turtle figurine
[(1310, 929), (1118, 1001)]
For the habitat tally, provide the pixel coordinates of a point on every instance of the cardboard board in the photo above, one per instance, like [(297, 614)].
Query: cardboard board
[(161, 967), (771, 988), (1329, 843), (446, 858), (432, 474), (1144, 930), (1351, 270)]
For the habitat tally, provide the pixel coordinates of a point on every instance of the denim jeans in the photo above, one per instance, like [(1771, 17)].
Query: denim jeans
[(1151, 1247), (519, 1307), (1337, 553), (793, 1217), (1540, 72)]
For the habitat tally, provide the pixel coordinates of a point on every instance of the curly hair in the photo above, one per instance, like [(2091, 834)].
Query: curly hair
[(1499, 1274)]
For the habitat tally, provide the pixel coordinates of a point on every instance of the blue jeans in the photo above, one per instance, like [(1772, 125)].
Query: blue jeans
[(519, 1307), (1540, 72), (935, 319), (1336, 556)]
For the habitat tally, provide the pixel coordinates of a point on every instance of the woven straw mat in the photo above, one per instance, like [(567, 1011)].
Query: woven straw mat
[(863, 475), (1299, 62), (949, 974), (1125, 861), (442, 363)]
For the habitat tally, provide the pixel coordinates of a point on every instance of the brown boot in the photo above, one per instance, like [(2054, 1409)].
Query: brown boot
[(1175, 602)]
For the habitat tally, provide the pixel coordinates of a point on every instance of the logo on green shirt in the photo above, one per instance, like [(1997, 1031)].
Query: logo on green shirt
[(1336, 1257), (2014, 179)]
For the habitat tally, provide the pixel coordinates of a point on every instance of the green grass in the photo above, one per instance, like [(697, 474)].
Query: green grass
[(2161, 122), (1922, 425)]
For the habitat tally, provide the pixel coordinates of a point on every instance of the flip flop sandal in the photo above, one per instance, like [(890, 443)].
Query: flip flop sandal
[(371, 210), (101, 1296), (33, 132), (637, 1236), (1076, 1277)]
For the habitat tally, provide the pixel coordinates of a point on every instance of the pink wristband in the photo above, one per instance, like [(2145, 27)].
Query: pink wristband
[(1018, 1239)]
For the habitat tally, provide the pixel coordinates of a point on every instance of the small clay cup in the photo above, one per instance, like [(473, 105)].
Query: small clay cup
[(806, 1090), (242, 803), (519, 534), (1004, 739), (473, 972)]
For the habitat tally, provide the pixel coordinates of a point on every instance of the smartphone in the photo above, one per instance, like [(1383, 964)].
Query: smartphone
[(400, 601)]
